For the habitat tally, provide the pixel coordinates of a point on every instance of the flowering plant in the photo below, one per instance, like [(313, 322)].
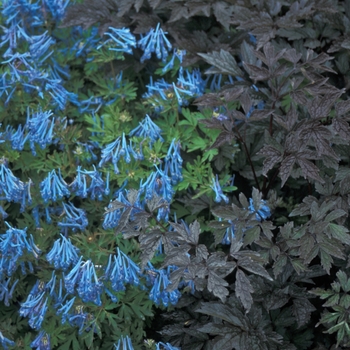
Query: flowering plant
[(125, 129)]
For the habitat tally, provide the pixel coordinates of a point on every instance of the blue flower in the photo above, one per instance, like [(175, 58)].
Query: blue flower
[(124, 344), (219, 194), (39, 44), (40, 129), (64, 310), (176, 54), (159, 183), (173, 163), (113, 151), (160, 281), (35, 306), (123, 39), (56, 7), (229, 233), (89, 286), (53, 187), (10, 186), (192, 82), (262, 212), (17, 138), (165, 346), (155, 41), (147, 129), (5, 342), (6, 292), (13, 245), (63, 254), (80, 318), (121, 270), (41, 342), (90, 183), (75, 218)]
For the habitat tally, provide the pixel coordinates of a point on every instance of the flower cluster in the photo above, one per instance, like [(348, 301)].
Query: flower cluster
[(159, 279), (63, 254), (89, 286), (75, 218), (13, 244), (121, 40), (155, 41), (54, 187), (121, 270)]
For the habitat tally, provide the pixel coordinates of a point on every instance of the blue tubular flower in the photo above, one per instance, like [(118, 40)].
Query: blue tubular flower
[(56, 7), (120, 270), (155, 41), (219, 195), (165, 346), (75, 218), (59, 94), (229, 233), (3, 213), (147, 129), (262, 213), (10, 186), (41, 342), (13, 244), (215, 84), (159, 183), (40, 129), (39, 44), (89, 286), (252, 39), (193, 83), (63, 254), (80, 318), (35, 306), (6, 292), (17, 138), (160, 280), (113, 151), (64, 310), (90, 183), (5, 342), (53, 187), (124, 344), (173, 163), (176, 54), (123, 39)]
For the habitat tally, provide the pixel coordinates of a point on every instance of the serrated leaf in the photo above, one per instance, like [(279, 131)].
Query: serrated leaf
[(243, 289), (216, 285), (339, 232), (223, 312), (149, 243), (279, 264), (251, 235), (253, 267), (224, 61), (302, 309), (309, 170), (335, 214), (286, 168)]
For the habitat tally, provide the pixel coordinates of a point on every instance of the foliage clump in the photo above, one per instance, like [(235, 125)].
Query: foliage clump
[(174, 174)]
